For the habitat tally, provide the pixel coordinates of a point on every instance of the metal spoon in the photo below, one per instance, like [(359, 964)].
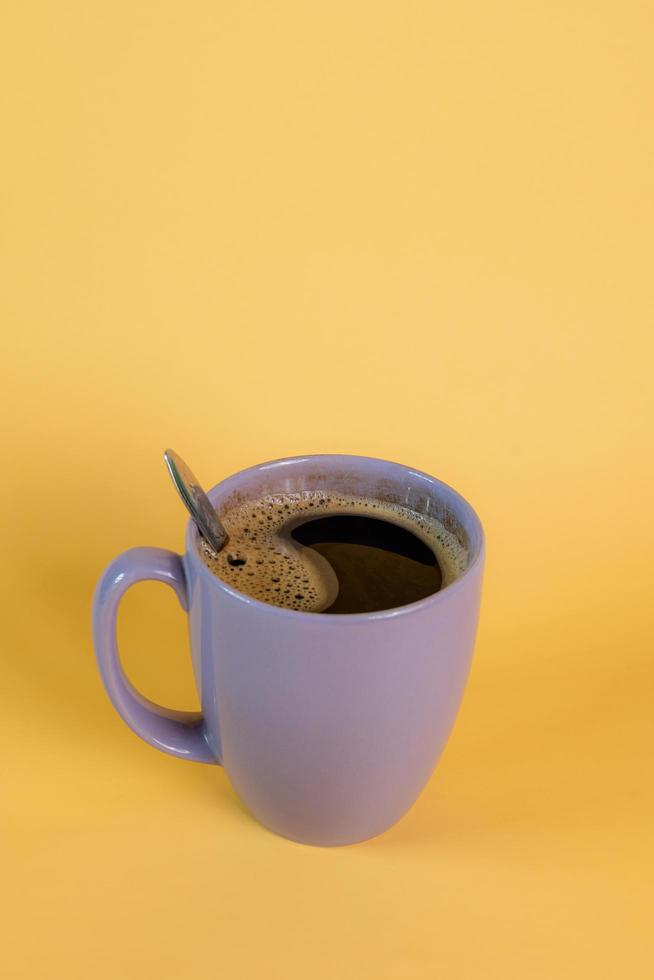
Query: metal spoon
[(196, 501)]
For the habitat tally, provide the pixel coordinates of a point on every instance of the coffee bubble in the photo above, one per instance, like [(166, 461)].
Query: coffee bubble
[(263, 561)]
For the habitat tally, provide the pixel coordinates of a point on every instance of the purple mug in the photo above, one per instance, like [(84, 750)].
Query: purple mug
[(329, 726)]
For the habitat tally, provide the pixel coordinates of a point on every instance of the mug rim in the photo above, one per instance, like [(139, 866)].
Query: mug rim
[(192, 537)]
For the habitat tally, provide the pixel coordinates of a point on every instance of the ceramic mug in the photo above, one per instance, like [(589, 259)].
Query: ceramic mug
[(328, 726)]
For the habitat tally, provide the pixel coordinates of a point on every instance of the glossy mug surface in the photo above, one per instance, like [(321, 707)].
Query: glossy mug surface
[(329, 726)]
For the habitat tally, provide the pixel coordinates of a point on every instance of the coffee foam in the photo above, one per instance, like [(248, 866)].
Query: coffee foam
[(264, 562)]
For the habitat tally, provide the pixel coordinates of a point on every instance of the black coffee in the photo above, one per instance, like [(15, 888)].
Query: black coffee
[(378, 565), (321, 552)]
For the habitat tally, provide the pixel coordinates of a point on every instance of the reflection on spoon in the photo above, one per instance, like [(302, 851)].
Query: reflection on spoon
[(196, 501)]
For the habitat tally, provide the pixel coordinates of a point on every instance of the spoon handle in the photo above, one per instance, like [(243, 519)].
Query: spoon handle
[(196, 501)]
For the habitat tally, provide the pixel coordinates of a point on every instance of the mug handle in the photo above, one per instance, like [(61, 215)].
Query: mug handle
[(179, 733)]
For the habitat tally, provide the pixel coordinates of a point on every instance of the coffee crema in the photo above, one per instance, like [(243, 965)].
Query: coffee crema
[(316, 551)]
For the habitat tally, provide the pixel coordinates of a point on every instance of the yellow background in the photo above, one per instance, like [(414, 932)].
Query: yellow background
[(421, 231)]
